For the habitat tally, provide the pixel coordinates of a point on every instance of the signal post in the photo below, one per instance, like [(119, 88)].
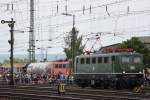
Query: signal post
[(11, 42)]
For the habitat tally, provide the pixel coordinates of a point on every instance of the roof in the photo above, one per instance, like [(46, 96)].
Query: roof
[(17, 65), (40, 64), (145, 39), (106, 54)]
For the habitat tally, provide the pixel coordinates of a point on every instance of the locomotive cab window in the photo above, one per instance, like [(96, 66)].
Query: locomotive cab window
[(125, 59), (106, 59), (87, 60), (93, 60), (137, 60), (82, 60)]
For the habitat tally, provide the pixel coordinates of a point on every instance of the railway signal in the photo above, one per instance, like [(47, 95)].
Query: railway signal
[(11, 42)]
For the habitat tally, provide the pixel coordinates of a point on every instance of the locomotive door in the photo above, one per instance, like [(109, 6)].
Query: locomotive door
[(113, 60)]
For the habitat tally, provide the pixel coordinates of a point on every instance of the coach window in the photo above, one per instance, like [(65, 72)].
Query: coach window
[(99, 59), (18, 70), (64, 65), (93, 60), (87, 60), (56, 65), (106, 59), (77, 60), (82, 61), (60, 65)]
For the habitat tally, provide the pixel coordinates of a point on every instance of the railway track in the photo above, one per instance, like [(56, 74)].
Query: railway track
[(50, 93)]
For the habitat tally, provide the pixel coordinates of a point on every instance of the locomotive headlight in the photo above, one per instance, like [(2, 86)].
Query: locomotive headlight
[(132, 67), (124, 72), (140, 72)]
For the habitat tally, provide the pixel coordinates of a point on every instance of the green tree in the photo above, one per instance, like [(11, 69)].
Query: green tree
[(139, 47), (78, 44)]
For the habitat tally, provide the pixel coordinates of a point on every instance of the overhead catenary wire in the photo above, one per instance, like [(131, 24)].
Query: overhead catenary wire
[(93, 19)]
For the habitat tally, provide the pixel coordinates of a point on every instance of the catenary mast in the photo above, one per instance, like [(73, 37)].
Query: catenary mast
[(31, 33)]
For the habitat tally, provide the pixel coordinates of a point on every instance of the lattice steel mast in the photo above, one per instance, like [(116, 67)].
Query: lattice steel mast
[(31, 33)]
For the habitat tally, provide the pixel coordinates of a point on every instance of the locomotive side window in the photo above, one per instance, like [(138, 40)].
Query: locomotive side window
[(125, 60), (99, 59), (87, 60), (93, 60), (137, 60), (82, 61), (113, 58), (106, 59)]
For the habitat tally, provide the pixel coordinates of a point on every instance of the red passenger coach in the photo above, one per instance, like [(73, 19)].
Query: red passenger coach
[(52, 68), (60, 67)]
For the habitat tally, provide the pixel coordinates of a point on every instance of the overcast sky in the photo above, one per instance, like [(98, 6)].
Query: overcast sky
[(122, 18)]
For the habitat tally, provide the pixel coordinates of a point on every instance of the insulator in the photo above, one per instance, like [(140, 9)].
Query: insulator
[(7, 7), (12, 7), (83, 9), (90, 9), (9, 41), (57, 8), (66, 9), (128, 10), (107, 11)]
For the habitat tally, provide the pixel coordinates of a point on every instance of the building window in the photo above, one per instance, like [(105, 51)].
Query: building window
[(93, 60), (87, 60), (82, 61), (106, 59), (99, 59)]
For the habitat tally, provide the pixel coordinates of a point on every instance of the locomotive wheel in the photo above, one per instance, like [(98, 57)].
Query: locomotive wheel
[(93, 86), (83, 85), (123, 83), (106, 85)]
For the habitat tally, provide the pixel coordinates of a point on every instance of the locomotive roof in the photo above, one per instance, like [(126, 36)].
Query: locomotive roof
[(109, 54)]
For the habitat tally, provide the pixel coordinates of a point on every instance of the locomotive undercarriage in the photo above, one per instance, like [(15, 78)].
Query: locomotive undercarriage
[(110, 81)]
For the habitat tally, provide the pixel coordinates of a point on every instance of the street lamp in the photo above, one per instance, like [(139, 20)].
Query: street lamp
[(73, 39)]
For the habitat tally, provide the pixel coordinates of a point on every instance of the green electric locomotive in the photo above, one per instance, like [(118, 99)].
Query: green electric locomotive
[(115, 69)]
